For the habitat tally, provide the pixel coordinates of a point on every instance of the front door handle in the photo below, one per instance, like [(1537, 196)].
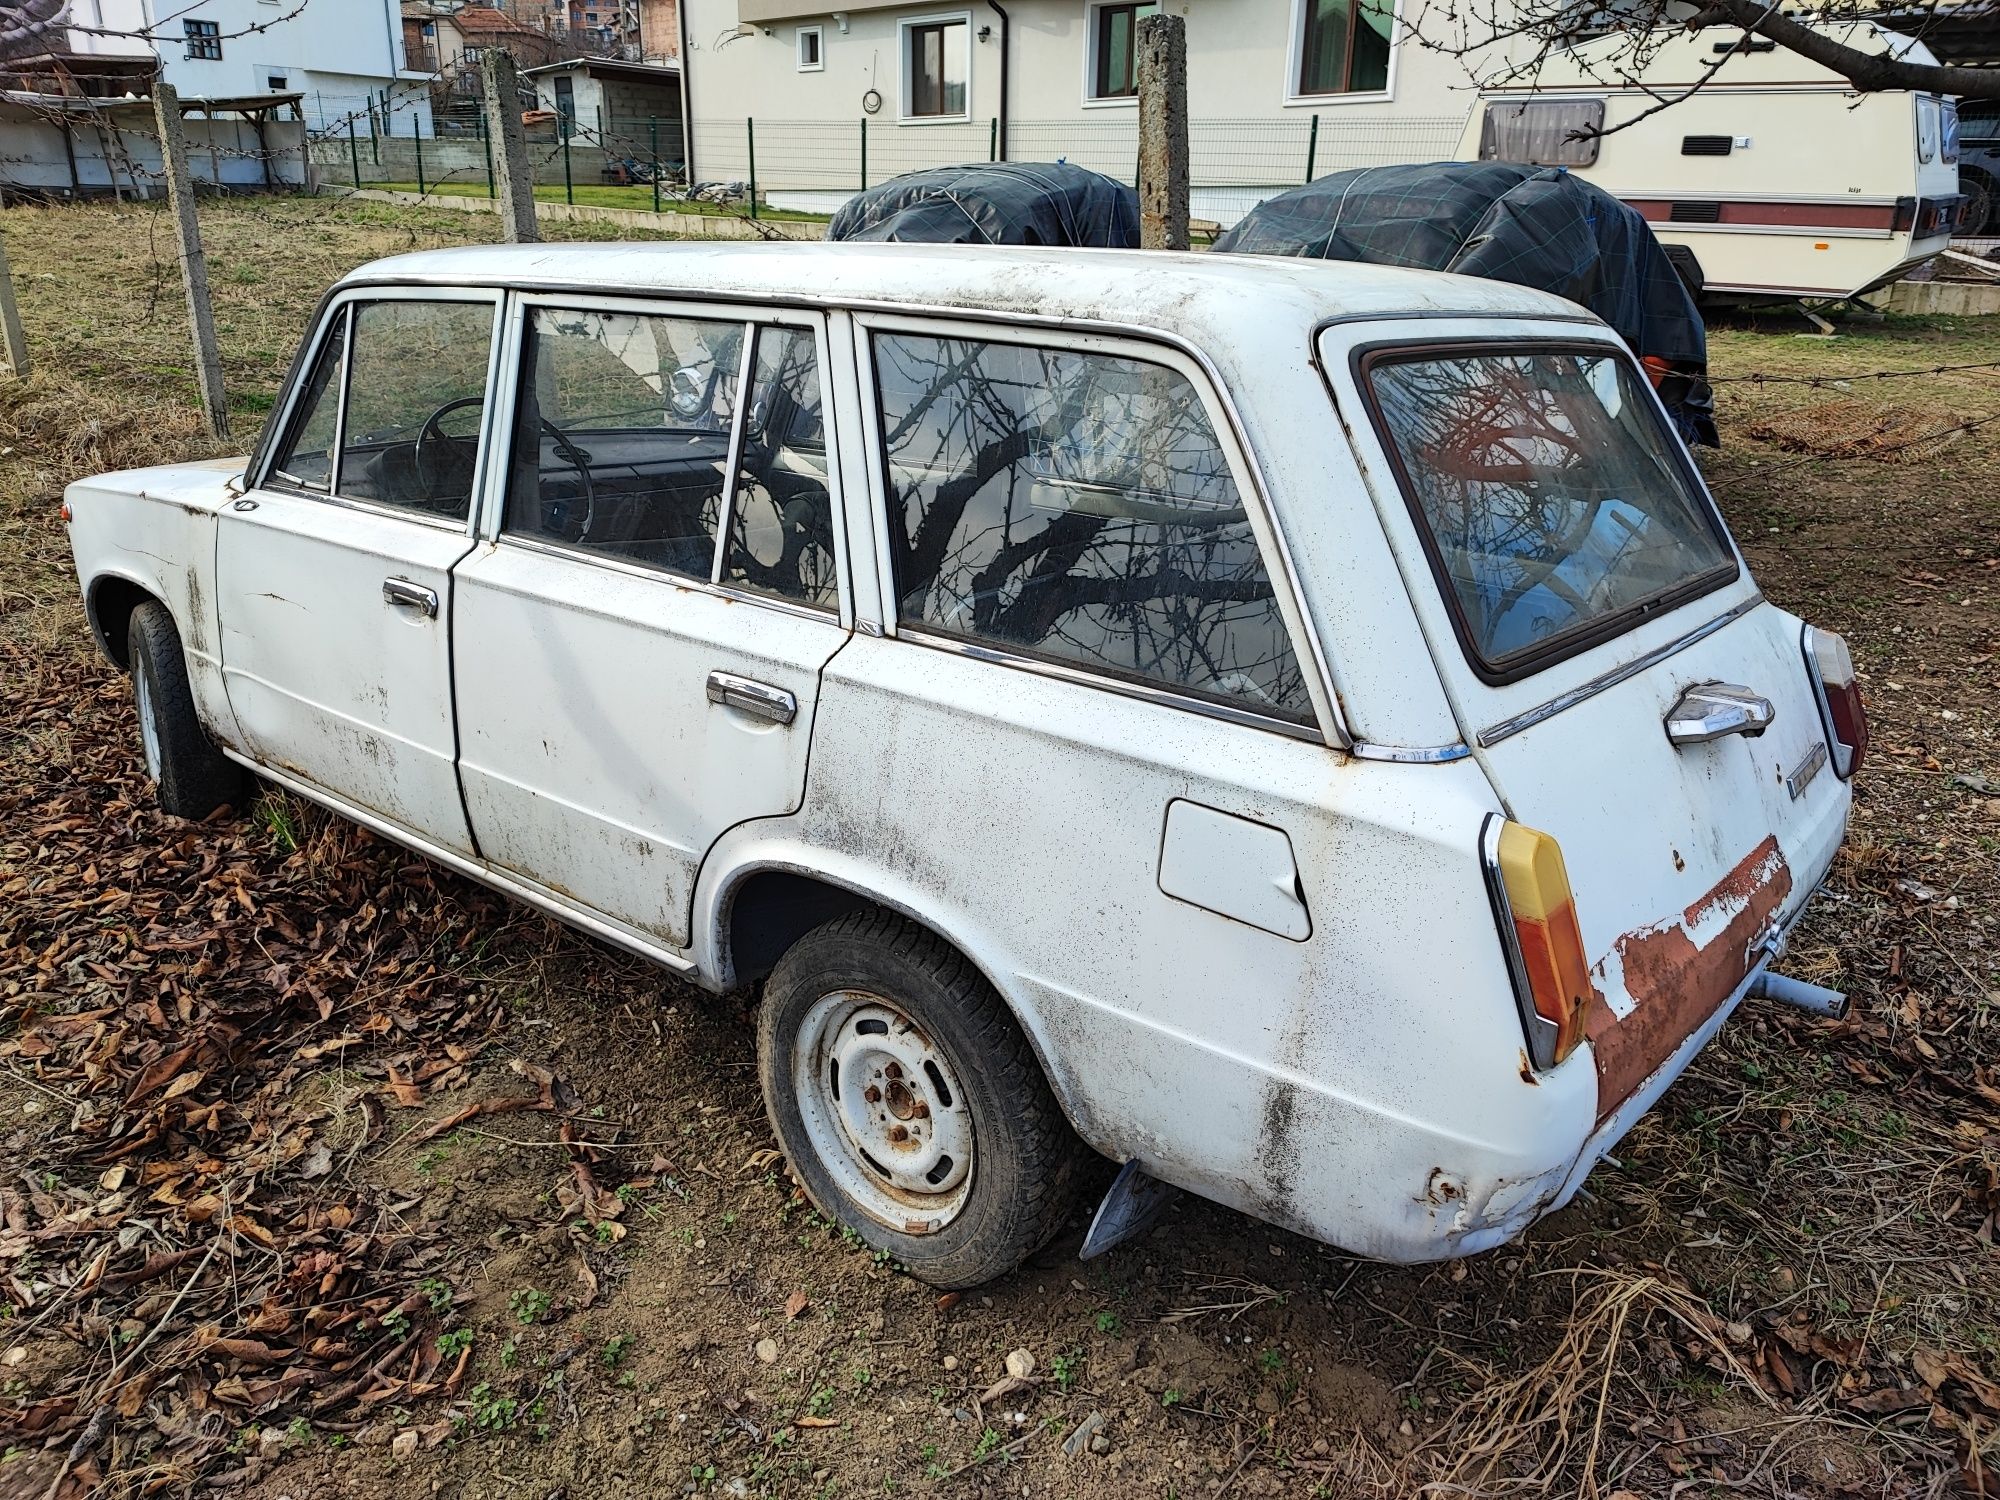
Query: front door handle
[(407, 595), (758, 699), (1716, 709)]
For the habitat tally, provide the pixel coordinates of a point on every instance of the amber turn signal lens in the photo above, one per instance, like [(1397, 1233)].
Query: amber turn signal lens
[(1552, 975)]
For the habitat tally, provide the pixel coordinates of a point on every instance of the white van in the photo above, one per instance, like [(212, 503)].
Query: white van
[(1773, 179), (1302, 730)]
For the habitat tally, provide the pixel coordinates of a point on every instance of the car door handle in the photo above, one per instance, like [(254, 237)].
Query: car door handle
[(1716, 709), (407, 595), (758, 699)]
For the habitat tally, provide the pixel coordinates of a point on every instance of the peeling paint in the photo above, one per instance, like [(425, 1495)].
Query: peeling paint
[(1661, 981)]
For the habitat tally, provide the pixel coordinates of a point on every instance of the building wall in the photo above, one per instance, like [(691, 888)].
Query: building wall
[(337, 54), (659, 30), (1249, 130)]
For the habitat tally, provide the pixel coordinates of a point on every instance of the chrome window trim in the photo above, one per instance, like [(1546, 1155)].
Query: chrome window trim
[(732, 470), (1084, 677), (342, 301), (1213, 392), (1414, 755), (632, 568), (1493, 734)]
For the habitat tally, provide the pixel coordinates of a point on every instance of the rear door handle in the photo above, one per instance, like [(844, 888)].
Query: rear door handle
[(1716, 709), (407, 595), (758, 699)]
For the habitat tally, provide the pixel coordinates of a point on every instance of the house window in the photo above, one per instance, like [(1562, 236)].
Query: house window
[(1343, 46), (1114, 38), (810, 58), (935, 64), (277, 83), (204, 40)]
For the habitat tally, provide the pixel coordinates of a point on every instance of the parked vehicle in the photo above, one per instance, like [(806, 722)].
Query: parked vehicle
[(1770, 177), (1979, 167), (1301, 729)]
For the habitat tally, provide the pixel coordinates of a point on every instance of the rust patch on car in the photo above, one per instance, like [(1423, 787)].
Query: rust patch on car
[(1680, 970)]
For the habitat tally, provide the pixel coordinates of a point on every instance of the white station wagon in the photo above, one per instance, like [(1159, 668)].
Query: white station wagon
[(1301, 729)]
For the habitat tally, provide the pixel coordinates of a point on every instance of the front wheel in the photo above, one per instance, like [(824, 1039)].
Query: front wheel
[(194, 777), (909, 1103)]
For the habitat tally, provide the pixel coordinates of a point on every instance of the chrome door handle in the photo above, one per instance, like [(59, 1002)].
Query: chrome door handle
[(407, 595), (1716, 709), (758, 699)]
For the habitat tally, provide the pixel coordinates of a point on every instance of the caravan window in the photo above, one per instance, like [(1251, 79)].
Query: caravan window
[(1542, 132), (1927, 128)]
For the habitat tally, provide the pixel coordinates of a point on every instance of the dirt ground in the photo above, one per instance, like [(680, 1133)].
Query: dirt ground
[(323, 1172)]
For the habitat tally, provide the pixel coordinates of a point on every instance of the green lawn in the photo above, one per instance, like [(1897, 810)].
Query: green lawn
[(601, 195)]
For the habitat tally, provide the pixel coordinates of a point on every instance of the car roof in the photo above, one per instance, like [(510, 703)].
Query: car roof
[(1197, 294)]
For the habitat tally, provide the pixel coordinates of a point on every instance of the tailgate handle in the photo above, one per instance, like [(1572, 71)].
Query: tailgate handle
[(1716, 709)]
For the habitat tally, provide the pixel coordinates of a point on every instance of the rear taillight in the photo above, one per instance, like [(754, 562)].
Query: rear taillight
[(1838, 690), (1538, 930)]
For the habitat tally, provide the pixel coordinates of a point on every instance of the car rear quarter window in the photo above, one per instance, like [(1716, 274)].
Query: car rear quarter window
[(1079, 507), (1553, 502)]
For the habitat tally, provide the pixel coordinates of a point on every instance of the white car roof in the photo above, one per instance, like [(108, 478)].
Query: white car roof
[(1197, 294)]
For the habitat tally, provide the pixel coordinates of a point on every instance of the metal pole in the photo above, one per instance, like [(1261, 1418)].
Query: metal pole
[(354, 149), (569, 185), (864, 153), (653, 138), (417, 135), (486, 144), (993, 139), (1312, 147), (750, 136)]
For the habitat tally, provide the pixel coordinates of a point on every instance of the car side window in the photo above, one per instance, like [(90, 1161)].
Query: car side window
[(622, 438), (1078, 507), (781, 523), (416, 394), (306, 459)]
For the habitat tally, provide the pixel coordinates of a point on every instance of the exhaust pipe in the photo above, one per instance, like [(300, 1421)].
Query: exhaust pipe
[(1814, 998)]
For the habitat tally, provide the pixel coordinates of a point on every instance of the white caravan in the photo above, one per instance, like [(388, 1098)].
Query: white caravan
[(1773, 178)]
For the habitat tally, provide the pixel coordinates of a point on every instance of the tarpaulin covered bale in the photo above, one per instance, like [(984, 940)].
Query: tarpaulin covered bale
[(994, 203), (1532, 226)]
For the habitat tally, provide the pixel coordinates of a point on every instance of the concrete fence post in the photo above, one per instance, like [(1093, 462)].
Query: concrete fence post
[(13, 339), (1163, 133), (194, 266), (514, 183)]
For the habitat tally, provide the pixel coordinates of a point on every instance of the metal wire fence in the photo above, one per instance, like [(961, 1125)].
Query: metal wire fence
[(641, 162)]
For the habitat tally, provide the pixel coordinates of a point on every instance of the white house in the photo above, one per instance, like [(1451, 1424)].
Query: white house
[(344, 56), (1278, 90)]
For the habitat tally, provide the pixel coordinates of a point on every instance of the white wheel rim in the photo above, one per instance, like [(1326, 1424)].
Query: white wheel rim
[(884, 1111), (149, 732)]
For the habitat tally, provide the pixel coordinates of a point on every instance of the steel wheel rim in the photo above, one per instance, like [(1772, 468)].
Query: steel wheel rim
[(883, 1111), (149, 732)]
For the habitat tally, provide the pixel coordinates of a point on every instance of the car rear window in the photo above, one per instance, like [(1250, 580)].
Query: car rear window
[(1554, 505)]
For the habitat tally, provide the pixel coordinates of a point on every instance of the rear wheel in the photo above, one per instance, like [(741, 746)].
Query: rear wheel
[(193, 776), (909, 1103), (1978, 218)]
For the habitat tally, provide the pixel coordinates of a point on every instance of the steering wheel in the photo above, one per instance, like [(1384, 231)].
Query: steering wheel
[(430, 474)]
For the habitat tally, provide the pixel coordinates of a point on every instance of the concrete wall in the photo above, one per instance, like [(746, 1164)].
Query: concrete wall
[(119, 148), (1249, 130)]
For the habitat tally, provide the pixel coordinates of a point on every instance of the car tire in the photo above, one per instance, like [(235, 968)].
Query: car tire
[(871, 1025), (193, 776), (1980, 218)]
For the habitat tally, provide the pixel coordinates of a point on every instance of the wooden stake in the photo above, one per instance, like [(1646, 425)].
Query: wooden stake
[(13, 340), (513, 181), (194, 268), (1163, 133)]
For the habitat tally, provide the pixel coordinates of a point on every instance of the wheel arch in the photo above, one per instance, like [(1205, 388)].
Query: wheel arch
[(790, 897), (108, 604)]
